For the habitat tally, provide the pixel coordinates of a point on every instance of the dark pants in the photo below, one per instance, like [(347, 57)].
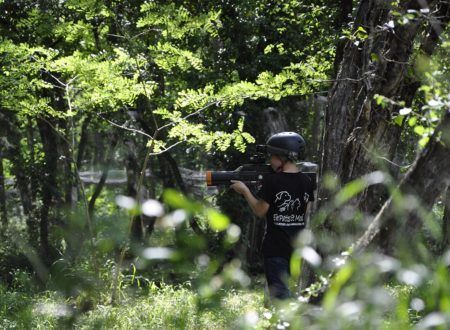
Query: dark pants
[(277, 275)]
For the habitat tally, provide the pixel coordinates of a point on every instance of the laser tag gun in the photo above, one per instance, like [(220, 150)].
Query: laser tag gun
[(250, 174), (253, 173)]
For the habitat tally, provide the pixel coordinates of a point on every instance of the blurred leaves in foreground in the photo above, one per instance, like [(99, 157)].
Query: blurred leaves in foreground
[(182, 279)]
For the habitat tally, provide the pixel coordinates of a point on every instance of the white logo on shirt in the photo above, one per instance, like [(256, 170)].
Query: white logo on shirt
[(284, 202), (287, 207)]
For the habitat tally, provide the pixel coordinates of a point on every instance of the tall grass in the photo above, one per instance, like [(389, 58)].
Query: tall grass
[(165, 307)]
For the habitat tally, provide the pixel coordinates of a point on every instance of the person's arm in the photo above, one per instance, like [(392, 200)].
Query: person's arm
[(258, 206)]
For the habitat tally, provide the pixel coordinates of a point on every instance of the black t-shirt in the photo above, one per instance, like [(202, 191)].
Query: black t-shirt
[(288, 195)]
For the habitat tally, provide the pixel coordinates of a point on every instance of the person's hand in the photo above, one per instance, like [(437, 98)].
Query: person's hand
[(238, 186)]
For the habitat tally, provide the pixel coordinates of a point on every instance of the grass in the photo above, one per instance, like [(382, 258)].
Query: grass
[(168, 307), (178, 306), (172, 308)]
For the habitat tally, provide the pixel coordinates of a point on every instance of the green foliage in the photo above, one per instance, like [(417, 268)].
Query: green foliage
[(217, 220), (357, 37), (76, 33), (88, 82), (169, 58), (89, 8), (339, 280), (191, 72), (176, 22), (21, 79), (180, 40), (99, 82)]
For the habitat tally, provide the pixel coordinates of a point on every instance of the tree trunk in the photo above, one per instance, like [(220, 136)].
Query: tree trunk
[(3, 211), (106, 163), (49, 185), (23, 182), (446, 223), (169, 181), (352, 120), (34, 168), (69, 170), (317, 104), (132, 170), (166, 158), (99, 148), (360, 134), (345, 10), (275, 121), (398, 224), (4, 146), (407, 86), (83, 141), (399, 221)]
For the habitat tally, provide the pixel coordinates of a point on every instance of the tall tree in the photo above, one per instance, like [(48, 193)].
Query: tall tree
[(361, 130), (376, 88), (3, 210), (398, 222), (446, 222)]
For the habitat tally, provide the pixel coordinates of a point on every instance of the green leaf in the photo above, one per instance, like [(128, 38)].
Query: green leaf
[(399, 120), (217, 220), (361, 29), (176, 199), (350, 190), (423, 141), (268, 49), (296, 264), (419, 130), (380, 100), (374, 57), (342, 276), (412, 121)]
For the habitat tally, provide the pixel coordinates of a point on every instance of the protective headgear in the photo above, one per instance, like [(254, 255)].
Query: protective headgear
[(288, 144)]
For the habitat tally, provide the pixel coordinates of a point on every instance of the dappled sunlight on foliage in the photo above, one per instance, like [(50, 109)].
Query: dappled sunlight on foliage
[(112, 113)]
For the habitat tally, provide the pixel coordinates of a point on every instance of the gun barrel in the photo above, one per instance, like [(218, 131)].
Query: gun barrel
[(252, 174), (218, 178)]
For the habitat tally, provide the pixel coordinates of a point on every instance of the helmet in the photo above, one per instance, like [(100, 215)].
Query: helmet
[(288, 144)]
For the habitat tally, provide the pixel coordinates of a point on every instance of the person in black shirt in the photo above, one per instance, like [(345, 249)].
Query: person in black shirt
[(283, 200)]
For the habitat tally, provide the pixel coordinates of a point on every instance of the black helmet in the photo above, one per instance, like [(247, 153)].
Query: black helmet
[(288, 144)]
